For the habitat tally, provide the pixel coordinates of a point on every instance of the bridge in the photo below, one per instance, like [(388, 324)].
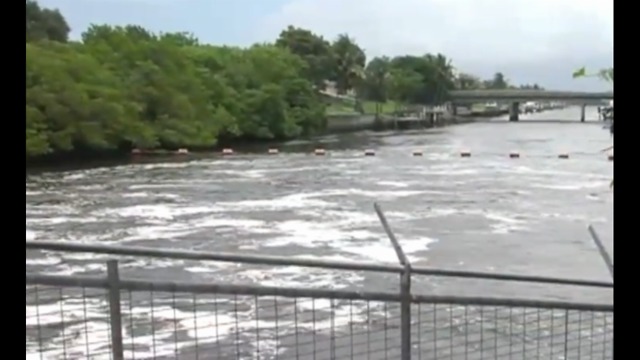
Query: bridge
[(516, 96)]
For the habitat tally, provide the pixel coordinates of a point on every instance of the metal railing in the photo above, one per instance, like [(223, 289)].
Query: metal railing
[(111, 317)]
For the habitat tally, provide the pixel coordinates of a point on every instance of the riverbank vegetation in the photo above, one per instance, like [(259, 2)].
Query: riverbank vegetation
[(120, 88)]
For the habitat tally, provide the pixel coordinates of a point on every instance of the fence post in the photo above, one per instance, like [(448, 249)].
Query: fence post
[(115, 315), (405, 314), (405, 288), (566, 334)]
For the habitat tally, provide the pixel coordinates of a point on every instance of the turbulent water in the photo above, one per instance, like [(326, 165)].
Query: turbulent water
[(487, 212)]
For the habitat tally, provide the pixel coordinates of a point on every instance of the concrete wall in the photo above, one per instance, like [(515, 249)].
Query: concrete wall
[(350, 122)]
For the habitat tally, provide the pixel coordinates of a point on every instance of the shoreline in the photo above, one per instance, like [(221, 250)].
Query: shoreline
[(341, 124)]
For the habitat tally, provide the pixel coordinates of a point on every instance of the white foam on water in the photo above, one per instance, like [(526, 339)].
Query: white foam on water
[(68, 269), (47, 260), (452, 171), (92, 335), (440, 212), (51, 209), (382, 250), (332, 257), (574, 185), (76, 176), (295, 201), (341, 219), (158, 232), (209, 327), (154, 186), (31, 235), (156, 211), (381, 195), (139, 194), (244, 225), (504, 224), (313, 234), (252, 174), (180, 165), (396, 184), (293, 276), (61, 220)]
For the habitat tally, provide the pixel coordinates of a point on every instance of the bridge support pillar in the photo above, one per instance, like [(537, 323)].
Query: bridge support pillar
[(582, 112), (514, 111)]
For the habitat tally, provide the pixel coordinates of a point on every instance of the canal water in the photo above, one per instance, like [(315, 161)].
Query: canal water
[(488, 212)]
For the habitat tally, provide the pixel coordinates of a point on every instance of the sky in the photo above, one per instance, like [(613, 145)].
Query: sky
[(541, 41)]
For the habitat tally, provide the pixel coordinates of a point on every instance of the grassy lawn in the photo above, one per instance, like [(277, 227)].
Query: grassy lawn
[(347, 106)]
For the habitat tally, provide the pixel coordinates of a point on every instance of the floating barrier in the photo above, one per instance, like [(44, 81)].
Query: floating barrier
[(367, 152)]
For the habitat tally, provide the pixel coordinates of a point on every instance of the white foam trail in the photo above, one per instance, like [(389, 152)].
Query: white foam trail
[(61, 220), (573, 185), (396, 184), (313, 234), (47, 260), (76, 176), (31, 235), (283, 203), (156, 211)]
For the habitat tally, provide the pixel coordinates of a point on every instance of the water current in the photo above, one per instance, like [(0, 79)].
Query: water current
[(487, 212)]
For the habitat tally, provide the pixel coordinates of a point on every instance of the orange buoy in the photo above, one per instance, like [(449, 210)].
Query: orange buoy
[(514, 155), (319, 152), (273, 151), (369, 152), (182, 151), (227, 151), (465, 153), (563, 156)]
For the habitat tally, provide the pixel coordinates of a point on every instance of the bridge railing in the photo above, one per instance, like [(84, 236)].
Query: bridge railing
[(117, 317)]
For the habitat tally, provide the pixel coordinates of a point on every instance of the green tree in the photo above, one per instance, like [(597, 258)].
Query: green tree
[(498, 82), (350, 62), (124, 87), (45, 24), (313, 49), (468, 82), (422, 79), (376, 82)]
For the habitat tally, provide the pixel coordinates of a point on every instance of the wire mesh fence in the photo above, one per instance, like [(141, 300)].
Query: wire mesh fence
[(74, 323), (74, 317)]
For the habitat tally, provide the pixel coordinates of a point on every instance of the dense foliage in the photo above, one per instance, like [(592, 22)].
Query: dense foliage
[(123, 87)]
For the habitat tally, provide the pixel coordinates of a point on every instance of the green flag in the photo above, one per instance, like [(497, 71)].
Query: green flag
[(580, 72)]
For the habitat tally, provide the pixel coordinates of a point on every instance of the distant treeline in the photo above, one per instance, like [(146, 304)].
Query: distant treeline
[(124, 87)]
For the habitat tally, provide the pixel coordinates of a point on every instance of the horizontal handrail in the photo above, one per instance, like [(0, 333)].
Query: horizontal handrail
[(136, 251), (259, 290)]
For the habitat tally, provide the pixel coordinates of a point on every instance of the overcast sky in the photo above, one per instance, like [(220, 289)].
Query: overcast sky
[(541, 41)]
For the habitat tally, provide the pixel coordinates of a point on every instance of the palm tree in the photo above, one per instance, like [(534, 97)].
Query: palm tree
[(350, 61), (442, 74)]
